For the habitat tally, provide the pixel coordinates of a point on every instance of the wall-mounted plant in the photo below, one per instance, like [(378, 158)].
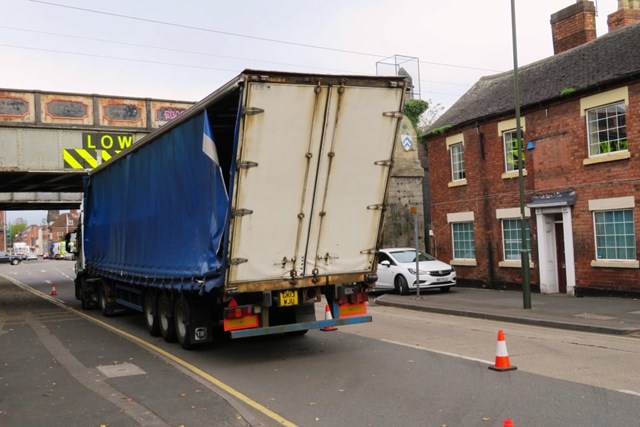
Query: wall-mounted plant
[(567, 91)]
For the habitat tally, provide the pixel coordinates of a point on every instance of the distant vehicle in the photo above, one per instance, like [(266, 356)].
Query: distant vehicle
[(46, 255), (5, 258), (21, 249), (397, 271), (31, 256)]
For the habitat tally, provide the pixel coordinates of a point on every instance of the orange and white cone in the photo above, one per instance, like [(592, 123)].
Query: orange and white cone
[(53, 290), (328, 316), (502, 357)]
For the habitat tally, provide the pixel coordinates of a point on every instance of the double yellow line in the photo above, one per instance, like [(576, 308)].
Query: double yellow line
[(192, 368)]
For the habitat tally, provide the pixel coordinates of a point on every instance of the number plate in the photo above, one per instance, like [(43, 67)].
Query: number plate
[(288, 298), (441, 279)]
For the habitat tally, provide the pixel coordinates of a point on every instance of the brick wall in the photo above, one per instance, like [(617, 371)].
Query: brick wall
[(559, 135)]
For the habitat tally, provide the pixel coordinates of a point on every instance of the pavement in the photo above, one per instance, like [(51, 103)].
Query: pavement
[(608, 315)]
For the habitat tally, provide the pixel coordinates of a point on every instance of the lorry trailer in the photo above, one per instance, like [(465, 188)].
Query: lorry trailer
[(240, 214)]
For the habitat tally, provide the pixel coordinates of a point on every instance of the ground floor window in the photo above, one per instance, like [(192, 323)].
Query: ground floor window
[(512, 240), (615, 235), (464, 246)]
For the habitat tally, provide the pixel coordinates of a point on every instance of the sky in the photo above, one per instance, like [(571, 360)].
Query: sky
[(185, 50)]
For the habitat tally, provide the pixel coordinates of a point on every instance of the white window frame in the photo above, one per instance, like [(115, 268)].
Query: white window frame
[(619, 130), (452, 141), (609, 205), (458, 218), (513, 214), (510, 126), (600, 100)]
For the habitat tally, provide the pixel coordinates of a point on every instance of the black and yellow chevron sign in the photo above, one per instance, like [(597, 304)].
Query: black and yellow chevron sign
[(82, 158)]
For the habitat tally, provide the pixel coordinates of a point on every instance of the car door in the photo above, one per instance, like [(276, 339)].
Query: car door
[(385, 273)]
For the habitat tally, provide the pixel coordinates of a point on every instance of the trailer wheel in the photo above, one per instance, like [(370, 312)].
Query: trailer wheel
[(165, 317), (106, 307), (182, 320), (150, 309)]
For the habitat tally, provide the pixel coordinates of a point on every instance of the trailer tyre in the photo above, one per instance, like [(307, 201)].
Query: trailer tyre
[(106, 307), (150, 310), (165, 317), (182, 320)]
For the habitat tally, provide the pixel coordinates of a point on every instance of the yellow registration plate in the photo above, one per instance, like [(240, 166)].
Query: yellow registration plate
[(288, 298)]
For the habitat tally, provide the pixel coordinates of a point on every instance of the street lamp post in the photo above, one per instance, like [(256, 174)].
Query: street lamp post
[(524, 254)]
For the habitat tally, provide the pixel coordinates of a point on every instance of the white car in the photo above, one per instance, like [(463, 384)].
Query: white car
[(397, 271)]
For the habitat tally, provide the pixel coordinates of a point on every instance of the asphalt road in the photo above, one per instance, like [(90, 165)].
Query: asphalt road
[(50, 357)]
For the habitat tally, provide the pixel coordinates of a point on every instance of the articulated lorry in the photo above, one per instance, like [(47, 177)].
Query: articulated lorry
[(241, 213)]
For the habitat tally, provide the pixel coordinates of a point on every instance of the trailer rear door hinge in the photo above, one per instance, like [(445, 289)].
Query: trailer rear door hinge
[(246, 165), (380, 207), (241, 212), (369, 252), (394, 114), (250, 111), (236, 261), (383, 163)]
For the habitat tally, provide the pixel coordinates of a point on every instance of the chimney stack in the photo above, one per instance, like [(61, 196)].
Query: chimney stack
[(574, 25), (628, 13)]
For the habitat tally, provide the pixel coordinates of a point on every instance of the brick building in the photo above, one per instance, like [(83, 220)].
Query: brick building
[(580, 123)]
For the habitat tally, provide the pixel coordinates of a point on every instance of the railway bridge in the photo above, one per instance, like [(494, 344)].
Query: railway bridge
[(49, 140)]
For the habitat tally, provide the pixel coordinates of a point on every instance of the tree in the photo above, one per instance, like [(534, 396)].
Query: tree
[(413, 108), (17, 227), (422, 114)]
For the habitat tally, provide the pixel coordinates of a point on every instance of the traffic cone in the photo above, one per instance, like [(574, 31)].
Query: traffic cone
[(508, 422), (328, 316), (502, 358), (53, 290)]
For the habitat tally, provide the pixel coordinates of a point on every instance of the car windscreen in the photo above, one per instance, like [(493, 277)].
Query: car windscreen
[(410, 256)]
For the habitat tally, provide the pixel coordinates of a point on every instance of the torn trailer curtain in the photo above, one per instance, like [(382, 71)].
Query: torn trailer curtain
[(147, 215)]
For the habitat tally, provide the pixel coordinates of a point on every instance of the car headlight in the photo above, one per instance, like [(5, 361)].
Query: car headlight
[(411, 270)]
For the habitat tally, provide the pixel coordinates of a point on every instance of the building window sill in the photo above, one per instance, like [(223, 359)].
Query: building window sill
[(609, 157), (458, 183), (514, 264), (464, 262), (615, 264), (513, 174)]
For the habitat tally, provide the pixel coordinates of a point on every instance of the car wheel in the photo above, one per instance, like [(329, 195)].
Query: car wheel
[(445, 289), (15, 262), (401, 285)]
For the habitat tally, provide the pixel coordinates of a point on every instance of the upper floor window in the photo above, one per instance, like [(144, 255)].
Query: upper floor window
[(510, 141), (457, 162), (607, 129)]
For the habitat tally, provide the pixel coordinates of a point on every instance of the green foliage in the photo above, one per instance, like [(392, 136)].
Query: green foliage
[(413, 108), (513, 156), (567, 91), (440, 130), (611, 146)]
